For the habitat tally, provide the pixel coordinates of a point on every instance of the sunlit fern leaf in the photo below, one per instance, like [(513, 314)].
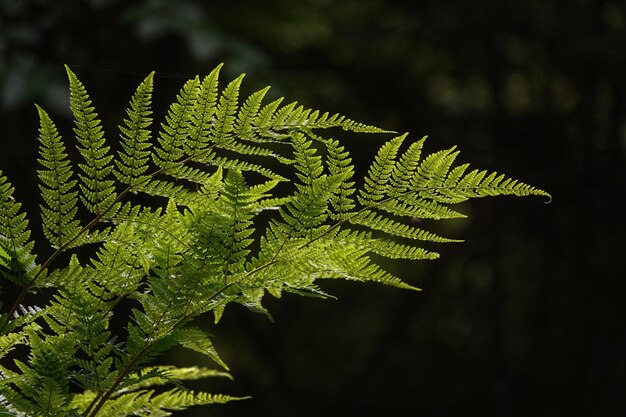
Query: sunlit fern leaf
[(4, 256), (221, 132), (430, 175), (406, 167), (352, 126), (362, 268), (377, 182), (148, 403), (10, 341), (80, 309), (308, 208), (43, 381), (231, 163), (235, 201), (134, 155), (282, 115), (394, 250), (199, 341), (343, 257), (177, 399), (202, 118), (57, 185), (162, 375), (15, 238), (307, 163), (339, 162), (244, 127), (174, 132), (484, 184), (376, 221), (97, 189), (417, 207), (263, 121)]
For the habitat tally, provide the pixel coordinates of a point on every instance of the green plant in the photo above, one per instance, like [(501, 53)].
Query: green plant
[(215, 230)]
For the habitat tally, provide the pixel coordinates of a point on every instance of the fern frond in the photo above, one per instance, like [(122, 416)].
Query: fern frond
[(244, 127), (226, 113), (339, 163), (199, 341), (177, 399), (174, 133), (132, 159), (15, 238), (263, 121), (10, 341), (352, 126), (354, 264), (202, 118), (43, 381), (308, 208), (162, 375), (483, 184), (308, 165), (394, 250), (412, 205), (230, 163), (4, 257), (57, 186), (97, 191), (376, 221), (406, 167), (377, 182)]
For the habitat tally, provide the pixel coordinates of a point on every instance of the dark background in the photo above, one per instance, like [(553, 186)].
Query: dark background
[(524, 319)]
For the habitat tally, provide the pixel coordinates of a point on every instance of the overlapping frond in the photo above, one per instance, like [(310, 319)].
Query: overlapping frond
[(246, 198)]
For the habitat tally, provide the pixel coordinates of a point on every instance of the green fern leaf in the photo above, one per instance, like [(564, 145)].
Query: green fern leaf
[(384, 224), (97, 192), (4, 256), (59, 210), (132, 159), (177, 399), (406, 167), (307, 210), (307, 163), (199, 341), (15, 238), (202, 119), (221, 132), (339, 163), (377, 182), (174, 134), (263, 121), (244, 127)]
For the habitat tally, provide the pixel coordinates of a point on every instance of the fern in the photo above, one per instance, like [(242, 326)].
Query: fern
[(220, 229)]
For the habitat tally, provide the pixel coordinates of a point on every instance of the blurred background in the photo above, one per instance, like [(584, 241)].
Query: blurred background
[(524, 318)]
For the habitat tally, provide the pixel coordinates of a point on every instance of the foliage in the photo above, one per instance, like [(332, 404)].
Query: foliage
[(244, 198)]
